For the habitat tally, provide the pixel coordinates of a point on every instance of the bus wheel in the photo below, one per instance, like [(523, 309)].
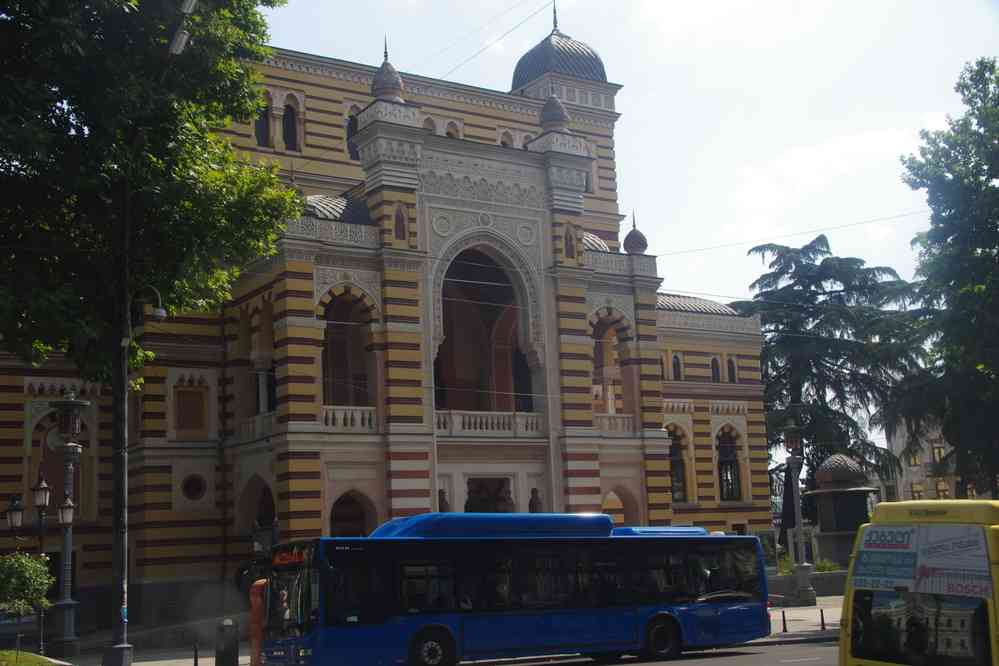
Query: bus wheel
[(662, 639), (432, 648)]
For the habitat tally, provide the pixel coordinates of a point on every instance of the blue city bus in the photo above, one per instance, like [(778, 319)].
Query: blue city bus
[(438, 588)]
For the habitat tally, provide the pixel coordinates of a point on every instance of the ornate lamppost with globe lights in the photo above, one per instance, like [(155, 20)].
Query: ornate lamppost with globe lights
[(70, 410)]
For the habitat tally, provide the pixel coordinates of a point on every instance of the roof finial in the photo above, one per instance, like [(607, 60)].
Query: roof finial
[(386, 48), (554, 16), (634, 225)]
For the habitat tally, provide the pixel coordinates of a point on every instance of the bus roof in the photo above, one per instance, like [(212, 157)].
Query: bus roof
[(458, 525), (973, 512)]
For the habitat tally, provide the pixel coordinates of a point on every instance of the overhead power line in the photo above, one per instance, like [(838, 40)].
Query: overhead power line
[(495, 41), (488, 24)]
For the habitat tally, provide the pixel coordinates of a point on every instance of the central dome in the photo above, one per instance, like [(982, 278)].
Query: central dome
[(558, 53)]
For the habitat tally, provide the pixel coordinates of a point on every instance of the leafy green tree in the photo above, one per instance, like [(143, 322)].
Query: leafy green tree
[(24, 582), (116, 184), (834, 341), (112, 176), (958, 391)]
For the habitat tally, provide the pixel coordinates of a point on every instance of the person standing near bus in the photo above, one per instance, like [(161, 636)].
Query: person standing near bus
[(257, 592)]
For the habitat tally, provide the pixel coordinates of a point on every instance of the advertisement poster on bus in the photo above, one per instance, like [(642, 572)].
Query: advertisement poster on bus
[(931, 559)]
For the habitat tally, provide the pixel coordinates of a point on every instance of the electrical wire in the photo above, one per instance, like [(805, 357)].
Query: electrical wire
[(498, 39), (462, 40)]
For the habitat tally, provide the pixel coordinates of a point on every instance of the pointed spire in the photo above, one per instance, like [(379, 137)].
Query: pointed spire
[(634, 225), (554, 16), (387, 84), (386, 48)]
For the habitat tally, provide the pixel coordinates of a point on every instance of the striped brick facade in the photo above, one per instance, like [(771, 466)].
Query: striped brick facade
[(233, 439)]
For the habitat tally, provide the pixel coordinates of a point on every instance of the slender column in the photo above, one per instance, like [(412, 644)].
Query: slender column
[(68, 642)]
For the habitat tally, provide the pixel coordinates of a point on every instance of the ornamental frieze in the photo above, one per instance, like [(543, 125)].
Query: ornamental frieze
[(480, 189)]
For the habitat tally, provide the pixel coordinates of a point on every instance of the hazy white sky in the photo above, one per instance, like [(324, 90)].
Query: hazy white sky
[(741, 121)]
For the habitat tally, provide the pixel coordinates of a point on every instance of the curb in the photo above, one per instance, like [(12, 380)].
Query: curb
[(828, 636)]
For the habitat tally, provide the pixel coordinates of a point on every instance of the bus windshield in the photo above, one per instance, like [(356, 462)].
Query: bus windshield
[(921, 595), (913, 628), (291, 599)]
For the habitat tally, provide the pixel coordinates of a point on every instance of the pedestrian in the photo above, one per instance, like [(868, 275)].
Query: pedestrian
[(257, 592)]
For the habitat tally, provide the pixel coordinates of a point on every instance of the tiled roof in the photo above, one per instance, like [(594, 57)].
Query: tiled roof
[(677, 303), (561, 54), (344, 208), (593, 242)]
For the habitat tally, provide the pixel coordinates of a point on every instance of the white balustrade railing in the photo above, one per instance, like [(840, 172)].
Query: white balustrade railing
[(256, 427), (343, 418), (614, 424), (463, 423)]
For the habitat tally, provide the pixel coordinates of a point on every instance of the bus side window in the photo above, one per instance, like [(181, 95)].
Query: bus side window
[(427, 587)]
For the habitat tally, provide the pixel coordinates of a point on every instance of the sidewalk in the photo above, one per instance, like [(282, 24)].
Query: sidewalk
[(804, 625)]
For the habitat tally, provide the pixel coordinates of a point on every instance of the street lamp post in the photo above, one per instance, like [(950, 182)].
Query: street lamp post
[(804, 591), (70, 411), (42, 494)]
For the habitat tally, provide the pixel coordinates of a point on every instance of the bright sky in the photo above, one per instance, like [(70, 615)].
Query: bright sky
[(741, 121)]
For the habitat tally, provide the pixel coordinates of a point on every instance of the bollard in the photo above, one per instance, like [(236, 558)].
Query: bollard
[(822, 618), (227, 643), (783, 619), (195, 653)]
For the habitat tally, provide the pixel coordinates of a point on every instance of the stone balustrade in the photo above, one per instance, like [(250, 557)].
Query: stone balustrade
[(256, 427), (461, 423), (614, 425), (345, 418)]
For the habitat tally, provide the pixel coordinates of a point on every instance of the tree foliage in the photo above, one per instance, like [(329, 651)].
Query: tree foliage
[(834, 342), (958, 391), (99, 124), (24, 582)]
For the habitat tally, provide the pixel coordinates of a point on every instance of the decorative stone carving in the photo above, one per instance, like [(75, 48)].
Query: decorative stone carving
[(480, 189), (607, 262), (383, 149), (523, 276), (623, 303), (573, 179), (388, 112), (327, 278), (442, 225), (341, 233), (560, 143), (409, 265), (729, 407), (526, 234)]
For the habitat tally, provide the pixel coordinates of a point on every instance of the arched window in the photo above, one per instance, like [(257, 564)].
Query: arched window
[(289, 128), (570, 244), (715, 371), (732, 376), (262, 126), (728, 465), (351, 130), (429, 124), (678, 466), (677, 369), (506, 140), (526, 140), (400, 224), (452, 131)]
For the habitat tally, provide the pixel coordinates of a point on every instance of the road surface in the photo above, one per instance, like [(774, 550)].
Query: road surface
[(811, 654)]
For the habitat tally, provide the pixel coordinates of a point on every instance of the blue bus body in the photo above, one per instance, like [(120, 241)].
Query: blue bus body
[(510, 585)]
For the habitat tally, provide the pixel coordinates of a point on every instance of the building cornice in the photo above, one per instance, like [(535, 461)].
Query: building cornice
[(422, 86)]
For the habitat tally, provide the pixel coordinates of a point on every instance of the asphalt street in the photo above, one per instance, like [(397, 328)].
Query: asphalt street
[(814, 654)]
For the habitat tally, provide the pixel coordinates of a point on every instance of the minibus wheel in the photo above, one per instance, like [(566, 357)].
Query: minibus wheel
[(662, 639), (432, 647)]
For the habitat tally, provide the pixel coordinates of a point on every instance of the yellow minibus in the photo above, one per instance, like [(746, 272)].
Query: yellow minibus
[(920, 587)]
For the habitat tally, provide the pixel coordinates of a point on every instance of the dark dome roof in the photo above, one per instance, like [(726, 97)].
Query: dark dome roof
[(840, 469), (560, 54), (593, 242), (635, 242), (387, 84), (553, 115)]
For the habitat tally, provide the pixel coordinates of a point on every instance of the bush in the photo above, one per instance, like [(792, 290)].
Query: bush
[(24, 580), (784, 566), (827, 565)]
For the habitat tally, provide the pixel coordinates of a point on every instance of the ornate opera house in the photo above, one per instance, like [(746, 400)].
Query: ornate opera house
[(452, 325)]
